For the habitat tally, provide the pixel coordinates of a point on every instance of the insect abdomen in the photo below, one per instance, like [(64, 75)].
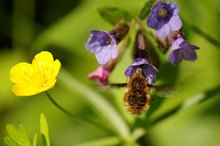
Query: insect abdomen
[(137, 103)]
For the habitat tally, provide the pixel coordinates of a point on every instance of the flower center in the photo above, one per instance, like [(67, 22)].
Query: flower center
[(109, 41), (163, 13)]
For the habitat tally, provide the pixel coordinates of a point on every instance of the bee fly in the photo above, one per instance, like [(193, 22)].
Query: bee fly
[(137, 96)]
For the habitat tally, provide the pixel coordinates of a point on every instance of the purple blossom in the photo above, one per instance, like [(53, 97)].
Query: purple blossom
[(181, 49), (164, 18), (148, 69), (101, 75), (103, 45)]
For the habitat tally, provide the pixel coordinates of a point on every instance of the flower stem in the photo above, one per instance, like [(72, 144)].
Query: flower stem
[(86, 120)]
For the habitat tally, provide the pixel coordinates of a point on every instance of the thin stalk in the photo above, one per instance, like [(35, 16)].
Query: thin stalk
[(97, 102), (83, 119)]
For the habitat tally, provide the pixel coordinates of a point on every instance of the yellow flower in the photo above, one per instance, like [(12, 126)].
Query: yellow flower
[(31, 79)]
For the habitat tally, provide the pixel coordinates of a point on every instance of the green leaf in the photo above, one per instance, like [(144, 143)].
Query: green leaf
[(17, 136), (114, 15), (146, 9), (35, 140), (44, 130), (10, 142)]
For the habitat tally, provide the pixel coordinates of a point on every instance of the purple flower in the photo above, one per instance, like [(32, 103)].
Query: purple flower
[(103, 45), (164, 18), (148, 69), (181, 49), (101, 75)]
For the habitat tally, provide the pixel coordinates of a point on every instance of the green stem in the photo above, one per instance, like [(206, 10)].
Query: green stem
[(75, 116), (97, 102)]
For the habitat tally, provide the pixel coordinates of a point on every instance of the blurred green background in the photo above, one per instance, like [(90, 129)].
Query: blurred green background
[(190, 115)]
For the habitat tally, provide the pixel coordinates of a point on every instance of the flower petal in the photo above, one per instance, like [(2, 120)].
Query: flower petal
[(43, 58), (175, 23), (139, 61), (24, 90), (158, 6), (104, 55), (56, 68), (175, 57), (25, 80), (152, 21), (174, 7), (114, 52), (150, 73), (130, 70), (189, 54), (97, 40), (101, 75), (163, 31), (177, 43), (21, 72)]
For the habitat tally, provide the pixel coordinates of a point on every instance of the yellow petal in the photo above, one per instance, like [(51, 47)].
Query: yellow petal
[(42, 58), (37, 77), (21, 72), (24, 90), (48, 68), (56, 68)]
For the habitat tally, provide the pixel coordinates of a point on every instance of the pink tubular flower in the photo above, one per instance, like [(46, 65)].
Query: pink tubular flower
[(101, 75)]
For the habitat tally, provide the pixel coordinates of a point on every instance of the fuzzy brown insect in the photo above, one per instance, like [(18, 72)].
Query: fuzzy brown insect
[(137, 96)]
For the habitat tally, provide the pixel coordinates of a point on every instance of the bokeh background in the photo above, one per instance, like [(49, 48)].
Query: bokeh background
[(189, 115)]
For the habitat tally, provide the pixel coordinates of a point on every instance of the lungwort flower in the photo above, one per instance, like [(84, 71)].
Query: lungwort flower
[(164, 18), (103, 45), (101, 75), (31, 79), (149, 70), (181, 49)]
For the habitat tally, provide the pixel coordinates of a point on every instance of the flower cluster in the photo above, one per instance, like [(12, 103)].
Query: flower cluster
[(164, 18)]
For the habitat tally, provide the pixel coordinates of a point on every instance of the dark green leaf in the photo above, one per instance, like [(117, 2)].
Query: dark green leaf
[(146, 9), (114, 15)]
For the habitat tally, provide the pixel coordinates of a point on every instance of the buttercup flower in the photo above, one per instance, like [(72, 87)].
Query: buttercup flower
[(181, 49), (148, 69), (103, 45), (164, 18), (101, 74), (31, 79)]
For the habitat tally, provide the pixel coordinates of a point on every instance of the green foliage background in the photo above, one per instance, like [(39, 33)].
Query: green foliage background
[(190, 115)]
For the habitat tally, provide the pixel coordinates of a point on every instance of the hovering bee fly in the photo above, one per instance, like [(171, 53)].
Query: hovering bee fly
[(137, 96)]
